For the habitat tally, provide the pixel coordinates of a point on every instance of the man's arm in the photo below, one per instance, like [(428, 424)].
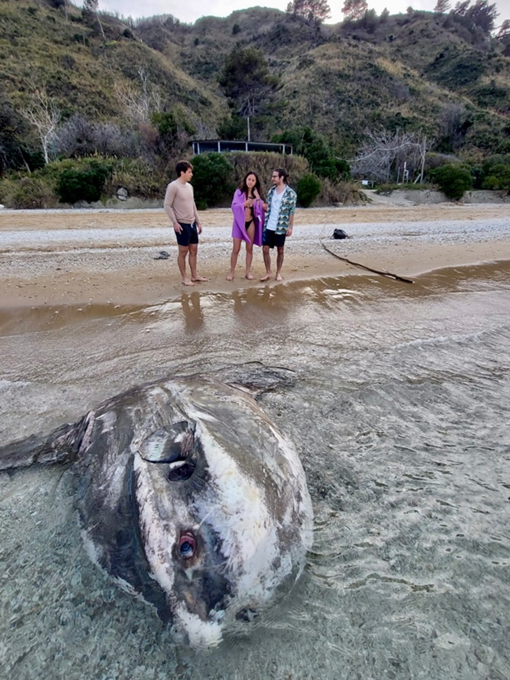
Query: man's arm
[(195, 211), (171, 192), (197, 219), (291, 216)]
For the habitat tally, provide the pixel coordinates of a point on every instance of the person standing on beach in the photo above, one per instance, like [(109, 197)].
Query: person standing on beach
[(181, 209), (281, 204), (248, 209)]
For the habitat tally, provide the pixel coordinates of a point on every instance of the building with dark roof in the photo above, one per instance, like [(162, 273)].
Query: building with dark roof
[(223, 146)]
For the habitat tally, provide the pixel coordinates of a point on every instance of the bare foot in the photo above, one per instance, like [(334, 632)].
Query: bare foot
[(199, 278), (230, 277), (249, 277), (278, 277), (187, 282), (266, 277)]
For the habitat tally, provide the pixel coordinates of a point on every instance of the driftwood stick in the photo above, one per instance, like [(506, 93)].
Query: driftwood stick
[(363, 266)]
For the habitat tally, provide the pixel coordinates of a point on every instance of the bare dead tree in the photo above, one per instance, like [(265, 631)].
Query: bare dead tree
[(139, 103), (202, 130), (80, 137), (452, 123), (44, 115), (384, 156), (91, 8)]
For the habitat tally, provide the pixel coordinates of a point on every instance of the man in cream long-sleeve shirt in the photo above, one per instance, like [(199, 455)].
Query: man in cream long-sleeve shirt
[(182, 211)]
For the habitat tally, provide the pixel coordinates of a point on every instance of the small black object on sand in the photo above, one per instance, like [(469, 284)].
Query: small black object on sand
[(163, 255), (340, 233)]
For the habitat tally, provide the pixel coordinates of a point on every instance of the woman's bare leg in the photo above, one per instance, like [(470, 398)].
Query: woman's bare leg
[(236, 247), (249, 250)]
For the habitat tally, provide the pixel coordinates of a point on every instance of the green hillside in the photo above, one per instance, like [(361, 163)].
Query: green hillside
[(153, 84)]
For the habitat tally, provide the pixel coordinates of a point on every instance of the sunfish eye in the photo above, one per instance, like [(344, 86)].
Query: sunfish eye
[(180, 470), (187, 546)]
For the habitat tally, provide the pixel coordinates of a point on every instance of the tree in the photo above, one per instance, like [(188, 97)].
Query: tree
[(174, 132), (139, 103), (369, 21), (461, 8), (91, 9), (317, 151), (312, 11), (83, 184), (442, 6), (308, 188), (483, 15), (504, 29), (80, 137), (231, 127), (44, 115), (247, 82), (384, 156), (354, 9), (453, 125), (10, 135), (212, 180), (453, 180), (498, 178)]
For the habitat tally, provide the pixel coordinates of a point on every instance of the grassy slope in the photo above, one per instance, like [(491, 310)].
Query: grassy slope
[(39, 48), (340, 80)]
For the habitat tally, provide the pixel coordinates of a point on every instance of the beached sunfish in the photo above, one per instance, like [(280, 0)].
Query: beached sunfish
[(189, 497)]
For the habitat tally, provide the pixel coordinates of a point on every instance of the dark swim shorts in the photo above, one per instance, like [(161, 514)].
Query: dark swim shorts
[(188, 235), (272, 239)]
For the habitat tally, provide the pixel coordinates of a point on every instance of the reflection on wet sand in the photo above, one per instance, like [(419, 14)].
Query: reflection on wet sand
[(262, 305), (272, 302), (192, 310), (30, 319)]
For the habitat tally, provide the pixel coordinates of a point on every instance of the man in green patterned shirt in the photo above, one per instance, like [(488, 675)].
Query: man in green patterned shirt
[(281, 204)]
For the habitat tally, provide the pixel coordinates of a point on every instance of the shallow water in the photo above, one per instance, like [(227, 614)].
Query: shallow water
[(400, 415)]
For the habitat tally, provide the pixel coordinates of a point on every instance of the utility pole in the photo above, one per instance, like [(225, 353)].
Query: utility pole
[(423, 153)]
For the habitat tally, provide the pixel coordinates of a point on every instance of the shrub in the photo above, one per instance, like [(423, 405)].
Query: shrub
[(263, 163), (499, 178), (28, 193), (495, 172), (138, 177), (317, 151), (308, 188), (341, 193), (213, 179), (82, 185), (453, 180)]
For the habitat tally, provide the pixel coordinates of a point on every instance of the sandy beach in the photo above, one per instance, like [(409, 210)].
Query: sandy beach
[(399, 413), (109, 256)]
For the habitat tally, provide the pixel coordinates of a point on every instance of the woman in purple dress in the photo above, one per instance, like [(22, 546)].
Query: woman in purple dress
[(248, 209)]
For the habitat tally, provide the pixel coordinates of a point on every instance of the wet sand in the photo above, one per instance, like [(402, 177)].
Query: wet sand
[(96, 256)]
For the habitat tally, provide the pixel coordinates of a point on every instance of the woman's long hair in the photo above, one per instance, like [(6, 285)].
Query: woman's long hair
[(244, 188)]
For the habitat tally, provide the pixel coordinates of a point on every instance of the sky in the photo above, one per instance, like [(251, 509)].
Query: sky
[(189, 12)]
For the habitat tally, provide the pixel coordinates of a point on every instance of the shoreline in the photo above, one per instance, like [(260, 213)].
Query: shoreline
[(109, 257)]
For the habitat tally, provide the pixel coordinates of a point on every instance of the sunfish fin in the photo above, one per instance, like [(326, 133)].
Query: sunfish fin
[(58, 447)]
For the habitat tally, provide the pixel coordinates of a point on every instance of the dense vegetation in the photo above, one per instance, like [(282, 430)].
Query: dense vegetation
[(80, 87)]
